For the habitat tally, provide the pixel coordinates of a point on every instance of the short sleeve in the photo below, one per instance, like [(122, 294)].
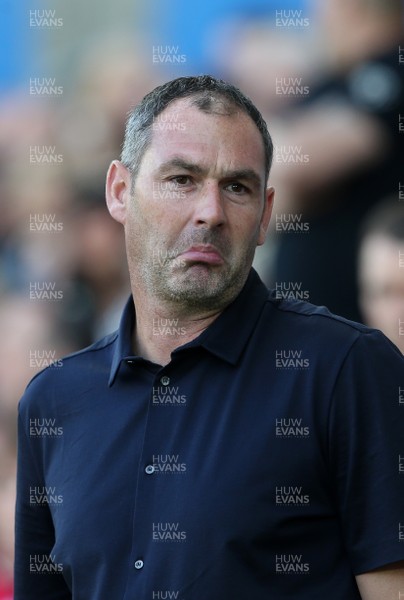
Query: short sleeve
[(366, 441)]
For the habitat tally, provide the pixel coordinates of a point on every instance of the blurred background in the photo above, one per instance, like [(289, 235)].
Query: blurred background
[(328, 76)]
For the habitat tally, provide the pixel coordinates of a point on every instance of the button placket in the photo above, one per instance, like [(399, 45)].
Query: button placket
[(146, 516)]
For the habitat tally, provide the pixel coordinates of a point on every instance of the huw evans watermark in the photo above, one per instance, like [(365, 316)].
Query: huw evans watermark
[(44, 155), (44, 427), (168, 464), (291, 496), (161, 258), (291, 359), (167, 327), (168, 54), (291, 86), (291, 290), (167, 190), (45, 222), (168, 532), (44, 86), (291, 19), (44, 290), (291, 564), (290, 154), (44, 496), (168, 396), (44, 564), (291, 223), (45, 19), (291, 428), (168, 122), (40, 359)]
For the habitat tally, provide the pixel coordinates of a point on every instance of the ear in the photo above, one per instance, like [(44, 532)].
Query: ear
[(117, 190), (266, 215)]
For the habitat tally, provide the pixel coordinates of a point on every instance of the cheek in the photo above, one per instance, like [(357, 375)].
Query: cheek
[(136, 232), (153, 229), (140, 220), (246, 227)]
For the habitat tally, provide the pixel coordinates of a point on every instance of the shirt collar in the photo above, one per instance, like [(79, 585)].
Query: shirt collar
[(226, 337), (123, 345)]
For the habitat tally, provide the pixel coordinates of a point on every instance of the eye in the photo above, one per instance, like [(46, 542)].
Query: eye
[(181, 179), (237, 188)]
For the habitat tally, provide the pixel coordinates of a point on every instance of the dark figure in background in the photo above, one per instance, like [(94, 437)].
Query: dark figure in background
[(381, 270), (349, 127)]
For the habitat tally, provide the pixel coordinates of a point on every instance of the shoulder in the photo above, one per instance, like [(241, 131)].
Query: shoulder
[(76, 371), (310, 315), (303, 323)]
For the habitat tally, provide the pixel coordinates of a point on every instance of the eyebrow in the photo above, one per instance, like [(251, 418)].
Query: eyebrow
[(180, 163), (176, 162)]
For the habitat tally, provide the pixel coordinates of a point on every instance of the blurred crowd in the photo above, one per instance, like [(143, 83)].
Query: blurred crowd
[(329, 79)]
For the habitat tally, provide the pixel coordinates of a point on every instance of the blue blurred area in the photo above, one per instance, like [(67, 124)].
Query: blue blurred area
[(188, 25), (179, 22), (16, 51)]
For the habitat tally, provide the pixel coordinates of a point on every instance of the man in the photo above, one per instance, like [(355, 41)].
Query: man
[(381, 270), (223, 443)]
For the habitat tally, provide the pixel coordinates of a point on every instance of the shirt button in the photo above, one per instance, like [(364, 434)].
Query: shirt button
[(165, 380), (139, 564), (149, 469)]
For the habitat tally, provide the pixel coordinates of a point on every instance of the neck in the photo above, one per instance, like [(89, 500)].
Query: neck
[(160, 329)]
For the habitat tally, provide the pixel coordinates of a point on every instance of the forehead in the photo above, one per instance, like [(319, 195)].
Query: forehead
[(230, 139)]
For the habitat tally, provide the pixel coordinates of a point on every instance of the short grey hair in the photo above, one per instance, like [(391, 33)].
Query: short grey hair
[(209, 94)]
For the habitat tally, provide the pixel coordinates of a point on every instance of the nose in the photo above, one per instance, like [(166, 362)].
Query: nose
[(209, 210)]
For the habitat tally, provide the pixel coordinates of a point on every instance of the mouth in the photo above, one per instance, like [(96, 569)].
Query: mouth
[(203, 253)]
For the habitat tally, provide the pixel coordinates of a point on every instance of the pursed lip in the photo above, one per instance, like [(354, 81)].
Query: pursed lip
[(203, 253)]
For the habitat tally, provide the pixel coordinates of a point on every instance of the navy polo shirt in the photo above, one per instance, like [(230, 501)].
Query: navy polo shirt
[(263, 462)]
